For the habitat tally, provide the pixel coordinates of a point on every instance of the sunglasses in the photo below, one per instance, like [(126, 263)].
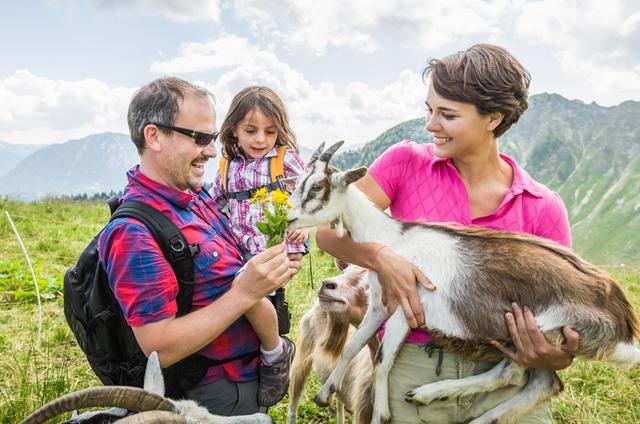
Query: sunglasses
[(202, 139)]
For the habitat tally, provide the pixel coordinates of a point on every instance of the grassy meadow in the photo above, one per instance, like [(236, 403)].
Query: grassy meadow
[(56, 231)]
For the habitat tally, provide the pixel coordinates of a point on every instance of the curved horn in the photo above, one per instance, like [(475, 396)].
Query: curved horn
[(316, 155), (131, 398), (326, 156), (153, 417)]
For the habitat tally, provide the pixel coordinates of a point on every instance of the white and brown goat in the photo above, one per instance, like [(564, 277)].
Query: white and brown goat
[(324, 329), (478, 273), (149, 403)]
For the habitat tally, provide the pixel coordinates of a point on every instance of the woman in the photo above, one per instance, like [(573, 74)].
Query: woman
[(473, 98)]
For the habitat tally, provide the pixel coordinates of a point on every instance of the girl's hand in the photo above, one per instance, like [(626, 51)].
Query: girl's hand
[(298, 236)]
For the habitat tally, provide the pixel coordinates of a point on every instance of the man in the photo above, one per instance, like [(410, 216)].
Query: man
[(173, 124)]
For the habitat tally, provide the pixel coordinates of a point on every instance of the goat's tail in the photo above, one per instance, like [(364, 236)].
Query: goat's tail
[(625, 355)]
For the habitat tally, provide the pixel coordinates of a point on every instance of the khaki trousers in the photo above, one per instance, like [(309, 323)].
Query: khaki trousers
[(413, 368)]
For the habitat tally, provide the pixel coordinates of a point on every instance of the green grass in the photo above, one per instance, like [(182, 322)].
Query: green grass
[(55, 232)]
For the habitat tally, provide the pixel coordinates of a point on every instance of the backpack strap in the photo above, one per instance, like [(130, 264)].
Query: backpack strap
[(224, 168), (277, 164), (276, 171), (174, 246)]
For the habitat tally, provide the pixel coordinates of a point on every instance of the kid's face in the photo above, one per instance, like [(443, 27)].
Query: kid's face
[(256, 134)]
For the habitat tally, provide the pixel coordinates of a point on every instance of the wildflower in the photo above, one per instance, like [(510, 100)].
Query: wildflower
[(279, 197), (275, 224), (260, 196)]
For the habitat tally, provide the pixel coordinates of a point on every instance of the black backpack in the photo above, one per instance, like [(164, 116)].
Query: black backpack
[(96, 319)]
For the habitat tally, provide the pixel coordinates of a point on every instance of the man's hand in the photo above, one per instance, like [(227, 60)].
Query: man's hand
[(298, 236), (532, 350), (266, 272), (398, 279)]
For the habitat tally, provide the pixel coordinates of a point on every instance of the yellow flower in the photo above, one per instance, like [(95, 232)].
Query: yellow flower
[(279, 198), (260, 195)]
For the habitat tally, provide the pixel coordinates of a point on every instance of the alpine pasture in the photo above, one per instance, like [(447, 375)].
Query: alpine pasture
[(55, 231)]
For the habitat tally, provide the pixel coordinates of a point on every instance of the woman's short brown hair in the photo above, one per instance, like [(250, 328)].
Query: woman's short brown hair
[(485, 75)]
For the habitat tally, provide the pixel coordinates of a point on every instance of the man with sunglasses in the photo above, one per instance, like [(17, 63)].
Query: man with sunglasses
[(173, 124)]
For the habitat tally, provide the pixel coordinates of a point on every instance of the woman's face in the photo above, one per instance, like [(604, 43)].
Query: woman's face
[(458, 129)]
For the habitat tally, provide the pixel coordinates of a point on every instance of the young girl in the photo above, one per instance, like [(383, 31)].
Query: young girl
[(253, 135)]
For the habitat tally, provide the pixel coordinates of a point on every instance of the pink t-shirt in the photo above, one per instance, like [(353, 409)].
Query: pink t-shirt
[(425, 188)]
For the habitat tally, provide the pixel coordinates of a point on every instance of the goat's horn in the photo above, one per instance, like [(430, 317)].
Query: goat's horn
[(131, 398), (153, 417), (316, 155), (326, 156)]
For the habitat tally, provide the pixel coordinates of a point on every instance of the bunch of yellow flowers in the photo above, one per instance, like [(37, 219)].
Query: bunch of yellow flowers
[(276, 219)]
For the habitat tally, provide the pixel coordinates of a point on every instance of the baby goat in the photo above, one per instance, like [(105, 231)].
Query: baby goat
[(323, 332), (478, 273), (150, 403)]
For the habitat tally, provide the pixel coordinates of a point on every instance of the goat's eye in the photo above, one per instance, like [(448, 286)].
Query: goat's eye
[(316, 188)]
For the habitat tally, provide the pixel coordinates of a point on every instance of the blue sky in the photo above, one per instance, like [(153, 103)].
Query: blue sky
[(346, 69)]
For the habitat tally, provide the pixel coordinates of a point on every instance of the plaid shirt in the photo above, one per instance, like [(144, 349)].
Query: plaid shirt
[(246, 174), (144, 283)]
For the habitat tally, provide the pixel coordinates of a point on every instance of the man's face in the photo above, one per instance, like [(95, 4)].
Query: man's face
[(182, 160)]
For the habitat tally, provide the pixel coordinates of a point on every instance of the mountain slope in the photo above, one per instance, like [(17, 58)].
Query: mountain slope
[(12, 154)]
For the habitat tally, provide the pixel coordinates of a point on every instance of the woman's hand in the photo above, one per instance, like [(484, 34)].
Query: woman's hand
[(398, 278), (298, 236), (532, 350)]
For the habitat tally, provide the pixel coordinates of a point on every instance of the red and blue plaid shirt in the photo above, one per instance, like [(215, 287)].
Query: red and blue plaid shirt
[(144, 283), (247, 174)]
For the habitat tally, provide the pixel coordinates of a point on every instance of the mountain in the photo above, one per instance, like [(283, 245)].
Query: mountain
[(12, 154), (588, 153), (94, 164), (89, 165)]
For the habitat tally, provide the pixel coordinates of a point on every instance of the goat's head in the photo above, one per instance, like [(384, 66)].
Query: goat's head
[(346, 294), (320, 190)]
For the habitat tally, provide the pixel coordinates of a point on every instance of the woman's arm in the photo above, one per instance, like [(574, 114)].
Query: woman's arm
[(397, 276)]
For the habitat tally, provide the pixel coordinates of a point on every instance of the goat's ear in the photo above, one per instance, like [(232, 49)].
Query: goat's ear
[(340, 264), (343, 179), (289, 183), (153, 379)]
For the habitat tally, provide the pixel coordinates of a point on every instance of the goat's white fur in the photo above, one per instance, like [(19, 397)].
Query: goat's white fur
[(436, 254)]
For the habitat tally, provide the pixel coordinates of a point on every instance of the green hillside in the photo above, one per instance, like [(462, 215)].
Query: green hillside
[(588, 153)]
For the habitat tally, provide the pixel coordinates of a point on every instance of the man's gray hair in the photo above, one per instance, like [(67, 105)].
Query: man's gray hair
[(158, 102)]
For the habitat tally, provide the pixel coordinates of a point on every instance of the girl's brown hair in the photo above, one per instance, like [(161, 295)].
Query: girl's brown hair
[(485, 75), (244, 102)]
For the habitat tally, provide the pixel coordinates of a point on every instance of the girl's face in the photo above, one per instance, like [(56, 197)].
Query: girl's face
[(458, 129), (256, 133)]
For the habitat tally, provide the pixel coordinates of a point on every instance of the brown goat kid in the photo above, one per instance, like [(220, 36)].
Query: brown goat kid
[(324, 330)]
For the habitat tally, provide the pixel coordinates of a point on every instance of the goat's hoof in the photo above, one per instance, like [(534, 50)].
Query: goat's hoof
[(411, 398)]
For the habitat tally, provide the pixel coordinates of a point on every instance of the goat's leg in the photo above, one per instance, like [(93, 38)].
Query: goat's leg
[(376, 313), (339, 412), (540, 387), (504, 373), (300, 368), (395, 333)]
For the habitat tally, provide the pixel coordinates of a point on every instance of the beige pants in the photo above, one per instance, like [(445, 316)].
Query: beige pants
[(413, 368)]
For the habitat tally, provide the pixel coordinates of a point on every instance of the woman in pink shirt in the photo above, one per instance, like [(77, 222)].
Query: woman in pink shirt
[(473, 97)]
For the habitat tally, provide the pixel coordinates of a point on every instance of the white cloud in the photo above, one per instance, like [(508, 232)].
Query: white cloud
[(364, 25), (356, 112), (594, 42), (175, 10), (39, 110)]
